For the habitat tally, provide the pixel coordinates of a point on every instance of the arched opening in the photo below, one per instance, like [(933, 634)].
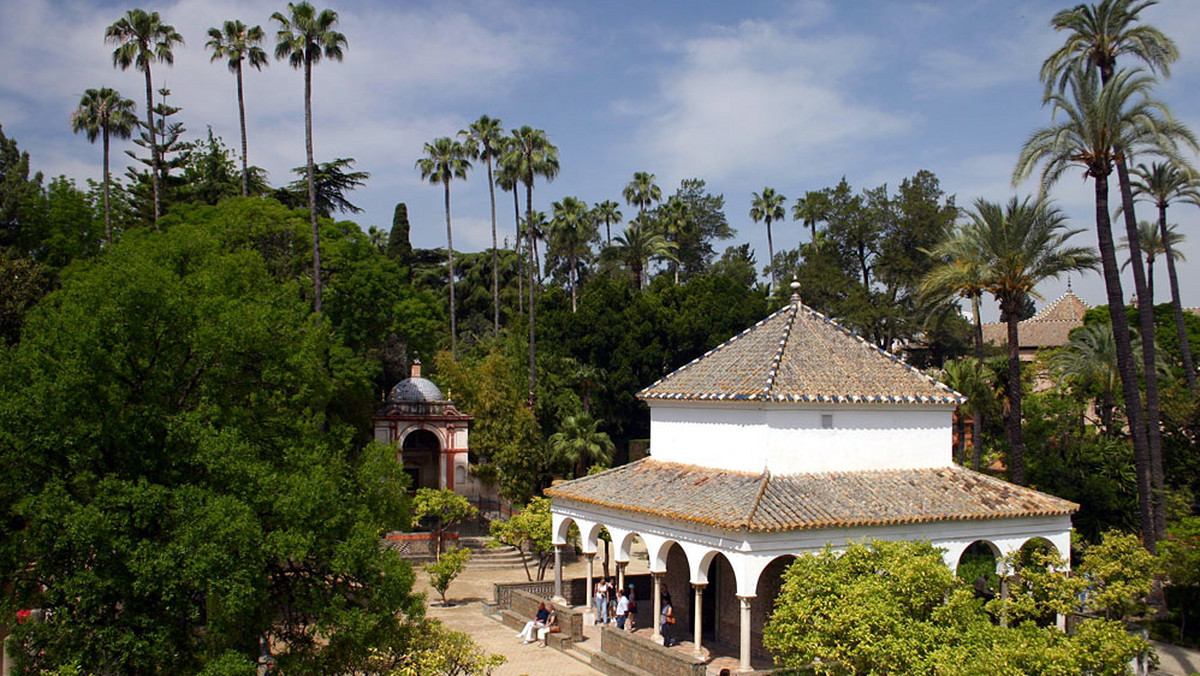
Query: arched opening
[(1037, 554), (677, 586), (420, 452), (977, 566), (770, 582), (638, 584), (720, 622)]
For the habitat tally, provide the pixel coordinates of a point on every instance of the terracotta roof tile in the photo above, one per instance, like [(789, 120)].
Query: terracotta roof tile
[(763, 502), (798, 354), (1049, 328)]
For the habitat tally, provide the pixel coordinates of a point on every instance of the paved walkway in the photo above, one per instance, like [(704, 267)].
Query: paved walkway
[(1175, 660)]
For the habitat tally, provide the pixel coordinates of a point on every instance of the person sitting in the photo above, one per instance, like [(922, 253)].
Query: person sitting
[(550, 628), (543, 616)]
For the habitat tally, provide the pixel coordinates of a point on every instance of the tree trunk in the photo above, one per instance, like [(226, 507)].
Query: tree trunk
[(571, 278), (1012, 424), (1124, 345), (517, 250), (153, 143), (1149, 354), (312, 186), (532, 293), (771, 254), (107, 212), (1189, 369), (977, 418), (450, 258), (242, 119), (495, 246)]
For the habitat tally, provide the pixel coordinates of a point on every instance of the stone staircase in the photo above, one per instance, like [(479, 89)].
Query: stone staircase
[(483, 556)]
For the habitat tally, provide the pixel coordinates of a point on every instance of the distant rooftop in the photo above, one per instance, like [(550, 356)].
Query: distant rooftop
[(799, 355), (1049, 328)]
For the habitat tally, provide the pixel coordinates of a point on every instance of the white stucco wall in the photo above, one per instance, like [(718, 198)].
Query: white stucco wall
[(789, 438)]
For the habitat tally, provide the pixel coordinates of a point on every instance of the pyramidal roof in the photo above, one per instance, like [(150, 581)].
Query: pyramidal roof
[(799, 355), (1068, 307)]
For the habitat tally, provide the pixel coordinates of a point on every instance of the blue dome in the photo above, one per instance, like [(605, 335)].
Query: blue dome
[(416, 390)]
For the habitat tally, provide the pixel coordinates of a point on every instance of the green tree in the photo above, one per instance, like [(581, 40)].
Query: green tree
[(237, 44), (304, 38), (142, 39), (331, 181), (972, 378), (1100, 123), (1088, 363), (608, 212), (642, 192), (1164, 183), (484, 141), (637, 247), (446, 159), (1121, 575), (438, 651), (768, 206), (706, 223), (811, 209), (1022, 244), (210, 174), (530, 532), (399, 246), (448, 566), (194, 488), (440, 510), (1180, 560), (531, 155), (1097, 34), (105, 113), (1152, 245), (578, 442)]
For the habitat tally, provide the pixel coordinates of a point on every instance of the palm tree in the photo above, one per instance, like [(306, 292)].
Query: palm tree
[(237, 43), (1100, 125), (1166, 182), (484, 141), (579, 441), (570, 232), (142, 38), (446, 159), (532, 155), (642, 191), (105, 113), (304, 38), (1151, 244), (609, 212), (961, 273), (811, 209), (507, 179), (1098, 33), (973, 378), (637, 247), (1088, 363), (674, 219), (1021, 244), (768, 206)]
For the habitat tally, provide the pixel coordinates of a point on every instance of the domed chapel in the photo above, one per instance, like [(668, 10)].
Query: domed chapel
[(793, 435)]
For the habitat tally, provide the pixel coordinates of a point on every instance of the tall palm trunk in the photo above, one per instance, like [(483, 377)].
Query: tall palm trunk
[(771, 254), (532, 291), (517, 249), (450, 258), (495, 249), (1149, 357), (312, 186), (153, 144), (571, 274), (1129, 376), (242, 119), (1189, 369), (107, 211), (1012, 423), (977, 419)]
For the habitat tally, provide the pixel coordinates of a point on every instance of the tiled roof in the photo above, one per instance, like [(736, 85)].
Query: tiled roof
[(1049, 328), (763, 502), (798, 354)]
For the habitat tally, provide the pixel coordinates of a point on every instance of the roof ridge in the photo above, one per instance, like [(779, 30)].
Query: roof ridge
[(773, 369), (758, 496)]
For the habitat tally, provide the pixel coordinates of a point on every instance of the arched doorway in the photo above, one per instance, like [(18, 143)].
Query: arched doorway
[(420, 453), (719, 619), (770, 582), (977, 566)]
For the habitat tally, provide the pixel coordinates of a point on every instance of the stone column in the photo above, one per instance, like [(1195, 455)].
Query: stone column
[(697, 610), (621, 575), (744, 654), (558, 586), (591, 557), (657, 593)]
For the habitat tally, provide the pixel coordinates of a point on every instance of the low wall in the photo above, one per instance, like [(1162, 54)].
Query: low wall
[(419, 546), (622, 650)]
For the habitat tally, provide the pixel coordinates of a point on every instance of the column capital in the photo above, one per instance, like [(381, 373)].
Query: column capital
[(699, 585)]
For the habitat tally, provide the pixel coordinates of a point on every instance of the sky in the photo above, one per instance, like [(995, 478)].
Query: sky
[(744, 95)]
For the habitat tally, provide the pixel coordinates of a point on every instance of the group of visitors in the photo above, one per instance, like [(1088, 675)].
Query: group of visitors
[(613, 605)]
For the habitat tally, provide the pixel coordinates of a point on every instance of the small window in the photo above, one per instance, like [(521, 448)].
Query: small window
[(827, 421)]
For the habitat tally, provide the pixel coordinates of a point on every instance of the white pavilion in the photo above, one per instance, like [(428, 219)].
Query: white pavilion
[(793, 435)]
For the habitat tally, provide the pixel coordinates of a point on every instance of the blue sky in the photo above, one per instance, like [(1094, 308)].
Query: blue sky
[(792, 95)]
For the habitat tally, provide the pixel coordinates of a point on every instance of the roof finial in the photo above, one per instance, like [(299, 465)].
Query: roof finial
[(795, 289), (1068, 284)]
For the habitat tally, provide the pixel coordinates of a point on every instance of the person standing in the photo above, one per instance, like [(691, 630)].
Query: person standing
[(600, 599), (632, 615), (611, 595), (622, 609), (666, 625)]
